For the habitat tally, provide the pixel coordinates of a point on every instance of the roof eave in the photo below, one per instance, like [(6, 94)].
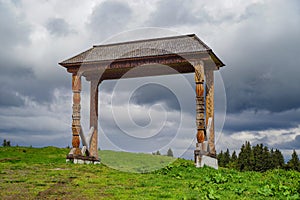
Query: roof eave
[(216, 59), (184, 55)]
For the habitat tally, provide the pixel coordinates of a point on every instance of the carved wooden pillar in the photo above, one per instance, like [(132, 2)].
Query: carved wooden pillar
[(200, 121), (209, 74), (94, 118), (76, 88)]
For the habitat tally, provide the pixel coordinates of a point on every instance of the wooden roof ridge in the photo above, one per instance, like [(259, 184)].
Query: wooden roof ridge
[(141, 49), (192, 35)]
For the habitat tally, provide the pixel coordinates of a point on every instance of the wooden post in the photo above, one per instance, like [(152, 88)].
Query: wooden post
[(76, 88), (209, 74), (94, 118), (200, 122)]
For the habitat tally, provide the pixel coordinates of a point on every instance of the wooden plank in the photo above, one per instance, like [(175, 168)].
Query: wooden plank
[(94, 118), (209, 74), (76, 127), (200, 108)]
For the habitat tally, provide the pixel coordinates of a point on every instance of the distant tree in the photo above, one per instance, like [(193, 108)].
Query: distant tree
[(258, 164), (272, 159), (220, 158), (226, 157), (246, 158), (277, 159), (267, 161), (256, 158), (233, 157), (170, 152), (6, 143), (233, 161), (294, 162), (157, 153)]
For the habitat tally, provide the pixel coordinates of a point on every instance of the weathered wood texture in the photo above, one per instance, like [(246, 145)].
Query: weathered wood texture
[(200, 105), (94, 118), (209, 74), (76, 87)]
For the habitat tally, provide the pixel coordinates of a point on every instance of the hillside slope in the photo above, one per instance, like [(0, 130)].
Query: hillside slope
[(31, 173)]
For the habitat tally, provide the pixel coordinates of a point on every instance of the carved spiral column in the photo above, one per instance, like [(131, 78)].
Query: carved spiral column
[(94, 118), (200, 121), (209, 74), (76, 88)]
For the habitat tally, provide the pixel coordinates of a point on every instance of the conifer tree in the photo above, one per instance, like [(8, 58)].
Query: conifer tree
[(242, 158), (278, 159), (258, 158), (220, 158), (6, 143), (233, 156), (226, 157), (294, 162), (246, 158), (170, 152), (272, 159), (266, 159)]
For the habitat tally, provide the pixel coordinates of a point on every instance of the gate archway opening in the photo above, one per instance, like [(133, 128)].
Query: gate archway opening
[(182, 54)]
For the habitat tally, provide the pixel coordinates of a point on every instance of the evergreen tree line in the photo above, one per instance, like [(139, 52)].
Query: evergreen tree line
[(257, 158), (169, 153), (6, 143)]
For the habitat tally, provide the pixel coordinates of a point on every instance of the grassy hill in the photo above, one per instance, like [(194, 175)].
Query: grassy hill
[(134, 162), (31, 173)]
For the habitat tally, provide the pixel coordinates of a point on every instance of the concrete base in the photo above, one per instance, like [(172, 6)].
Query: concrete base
[(209, 161), (203, 157), (78, 159), (200, 161)]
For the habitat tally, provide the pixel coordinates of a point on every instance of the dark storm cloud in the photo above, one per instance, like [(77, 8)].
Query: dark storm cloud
[(286, 145), (9, 98), (182, 13), (12, 70), (154, 93), (174, 12), (19, 79), (109, 18), (59, 27), (294, 144), (13, 29), (263, 61), (156, 90), (30, 138), (182, 99), (17, 76), (16, 2), (261, 120)]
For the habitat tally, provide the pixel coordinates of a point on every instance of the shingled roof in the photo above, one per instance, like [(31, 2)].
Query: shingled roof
[(180, 45)]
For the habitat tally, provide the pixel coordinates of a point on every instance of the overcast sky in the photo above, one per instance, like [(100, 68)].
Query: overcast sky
[(258, 88)]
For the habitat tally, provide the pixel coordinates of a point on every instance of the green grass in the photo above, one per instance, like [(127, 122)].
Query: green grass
[(134, 162), (31, 173)]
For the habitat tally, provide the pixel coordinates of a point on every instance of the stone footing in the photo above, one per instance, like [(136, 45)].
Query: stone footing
[(203, 157), (78, 159)]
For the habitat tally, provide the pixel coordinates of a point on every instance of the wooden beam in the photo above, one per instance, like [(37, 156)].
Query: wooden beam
[(94, 118), (199, 80), (209, 74), (76, 88)]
